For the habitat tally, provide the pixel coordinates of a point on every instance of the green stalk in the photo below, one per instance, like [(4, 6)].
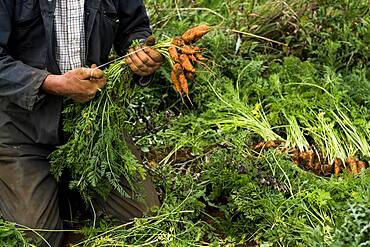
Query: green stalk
[(295, 136)]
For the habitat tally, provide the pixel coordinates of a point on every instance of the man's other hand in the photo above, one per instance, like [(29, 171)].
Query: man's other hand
[(145, 61), (79, 84)]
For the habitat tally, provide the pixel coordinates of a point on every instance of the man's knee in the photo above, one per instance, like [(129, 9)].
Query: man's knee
[(125, 209), (28, 196)]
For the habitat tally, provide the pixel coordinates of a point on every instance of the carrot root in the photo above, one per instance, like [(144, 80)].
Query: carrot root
[(173, 53), (195, 33), (184, 83), (185, 63)]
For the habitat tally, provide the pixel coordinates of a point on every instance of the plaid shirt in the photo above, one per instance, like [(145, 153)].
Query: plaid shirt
[(70, 34)]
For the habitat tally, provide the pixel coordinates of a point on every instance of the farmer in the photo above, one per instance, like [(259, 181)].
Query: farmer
[(46, 50)]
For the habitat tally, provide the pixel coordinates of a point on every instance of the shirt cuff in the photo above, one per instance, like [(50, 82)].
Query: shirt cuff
[(32, 97)]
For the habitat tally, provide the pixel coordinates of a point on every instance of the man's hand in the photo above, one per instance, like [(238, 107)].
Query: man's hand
[(144, 62), (79, 84)]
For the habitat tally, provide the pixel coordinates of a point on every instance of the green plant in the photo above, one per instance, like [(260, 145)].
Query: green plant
[(10, 236), (96, 154), (355, 229)]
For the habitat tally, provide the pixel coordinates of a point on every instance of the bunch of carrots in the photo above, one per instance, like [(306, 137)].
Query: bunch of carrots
[(312, 161), (185, 55)]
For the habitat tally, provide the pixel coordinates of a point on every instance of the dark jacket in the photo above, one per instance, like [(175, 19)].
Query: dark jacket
[(28, 116)]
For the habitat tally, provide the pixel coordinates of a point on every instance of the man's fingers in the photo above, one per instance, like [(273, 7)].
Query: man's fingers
[(96, 73), (83, 97), (79, 99), (82, 73), (102, 82), (154, 54), (87, 73), (88, 88), (145, 58), (99, 82), (138, 63), (133, 66), (141, 63)]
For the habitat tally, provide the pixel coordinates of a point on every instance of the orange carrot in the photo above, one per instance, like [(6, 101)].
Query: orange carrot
[(175, 81), (200, 57), (195, 33), (186, 64), (184, 83), (260, 145), (351, 163), (306, 160), (193, 58), (317, 167), (361, 165), (187, 49), (178, 41), (337, 166), (295, 156), (173, 53), (177, 68), (175, 73), (273, 144)]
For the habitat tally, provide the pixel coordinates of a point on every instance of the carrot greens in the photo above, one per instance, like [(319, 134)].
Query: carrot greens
[(97, 154)]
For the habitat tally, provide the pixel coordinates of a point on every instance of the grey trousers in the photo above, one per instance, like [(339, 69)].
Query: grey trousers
[(29, 196)]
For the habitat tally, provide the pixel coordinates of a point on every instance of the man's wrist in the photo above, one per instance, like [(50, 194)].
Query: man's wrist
[(53, 85)]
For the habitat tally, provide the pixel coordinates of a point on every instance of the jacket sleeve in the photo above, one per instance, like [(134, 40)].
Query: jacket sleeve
[(19, 82), (134, 24)]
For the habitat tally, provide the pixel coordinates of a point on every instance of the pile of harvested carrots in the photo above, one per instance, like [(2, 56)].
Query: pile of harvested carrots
[(185, 55), (352, 164), (312, 161)]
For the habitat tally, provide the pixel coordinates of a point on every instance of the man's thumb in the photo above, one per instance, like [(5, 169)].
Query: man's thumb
[(96, 73)]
